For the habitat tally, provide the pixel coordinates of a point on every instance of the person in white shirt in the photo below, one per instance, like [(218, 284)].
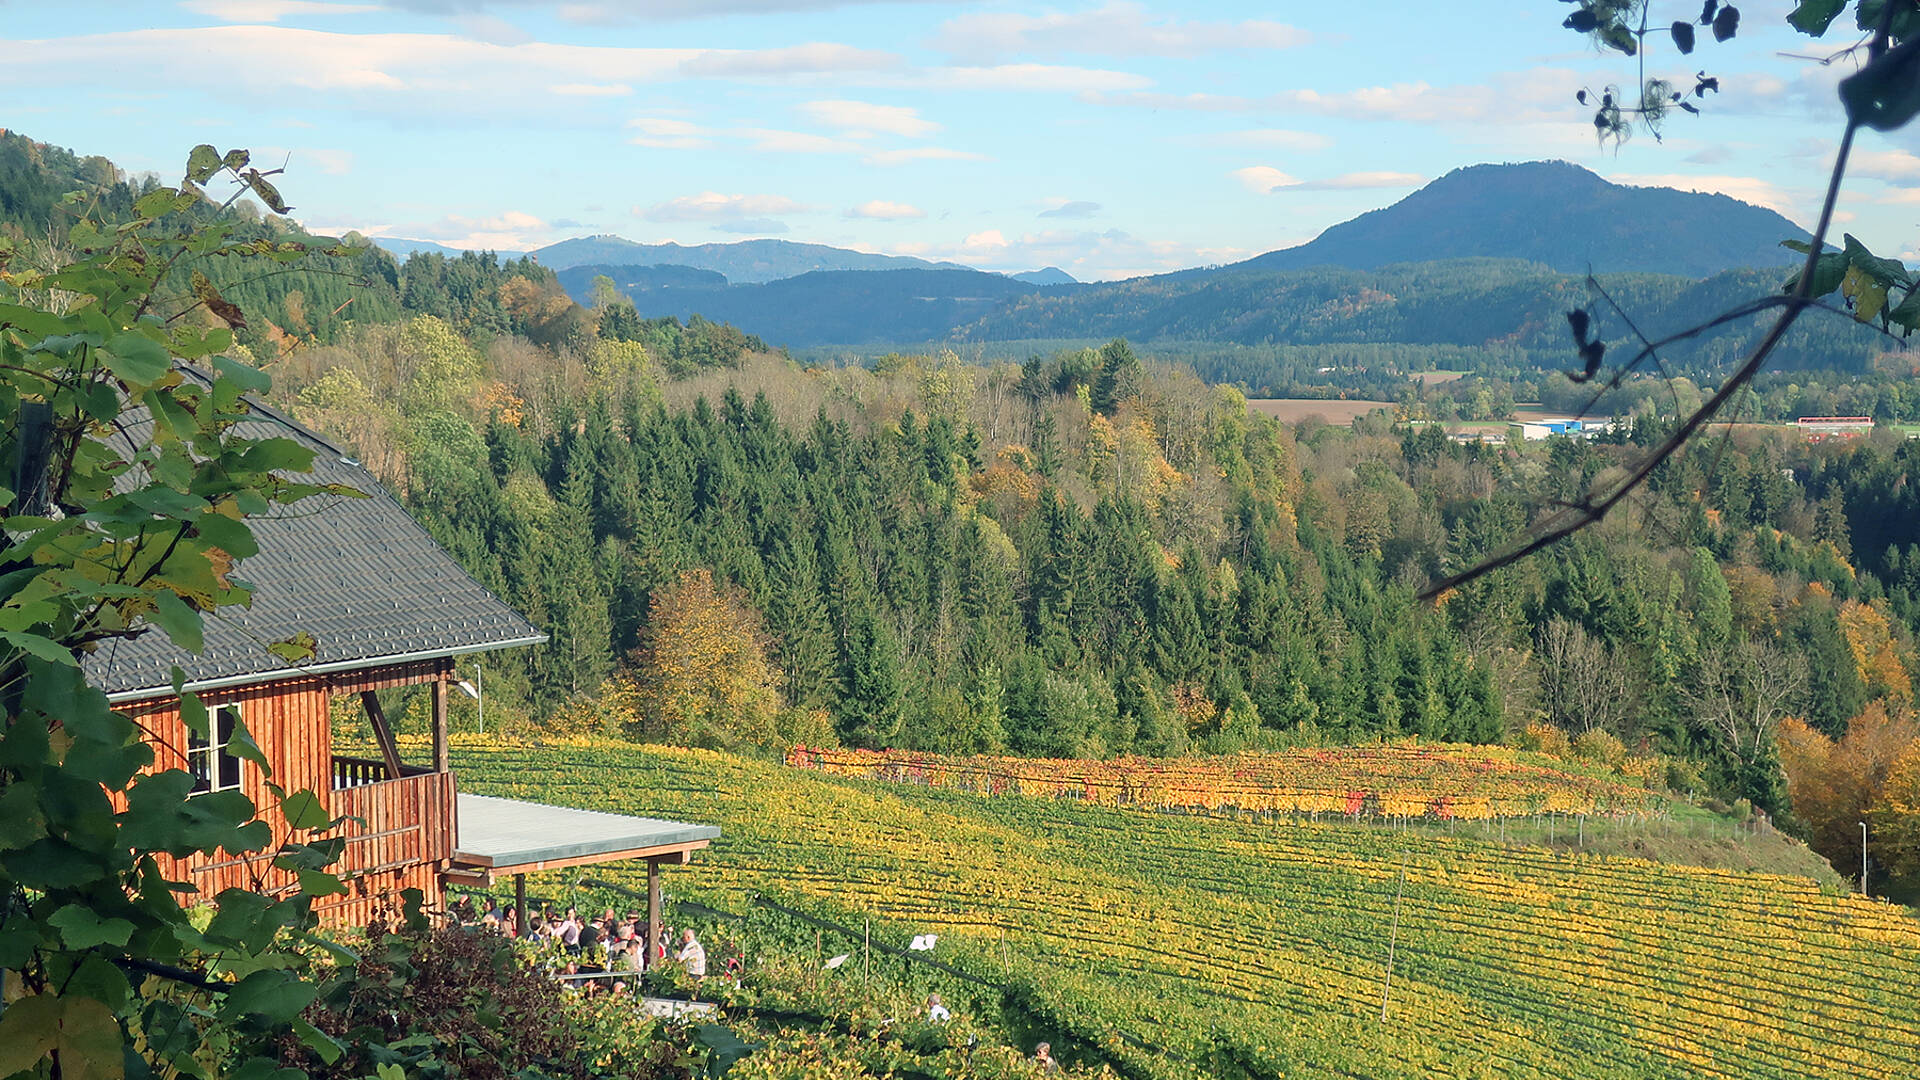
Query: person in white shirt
[(936, 1012), (692, 956)]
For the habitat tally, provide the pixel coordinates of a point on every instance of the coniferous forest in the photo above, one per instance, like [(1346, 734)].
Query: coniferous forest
[(1088, 553)]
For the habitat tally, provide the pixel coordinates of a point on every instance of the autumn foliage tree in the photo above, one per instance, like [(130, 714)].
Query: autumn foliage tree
[(703, 668), (1836, 784)]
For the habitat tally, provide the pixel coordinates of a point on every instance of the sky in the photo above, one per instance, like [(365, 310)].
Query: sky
[(1110, 138)]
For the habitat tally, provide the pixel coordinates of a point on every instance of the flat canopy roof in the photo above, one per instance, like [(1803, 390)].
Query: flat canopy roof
[(507, 836)]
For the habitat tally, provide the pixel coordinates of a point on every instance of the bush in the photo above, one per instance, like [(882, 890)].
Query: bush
[(1545, 738), (462, 1001), (1599, 746)]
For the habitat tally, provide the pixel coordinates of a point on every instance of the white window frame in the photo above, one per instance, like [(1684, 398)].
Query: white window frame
[(213, 768)]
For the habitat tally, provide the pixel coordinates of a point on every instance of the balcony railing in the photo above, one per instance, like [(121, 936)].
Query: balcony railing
[(351, 772)]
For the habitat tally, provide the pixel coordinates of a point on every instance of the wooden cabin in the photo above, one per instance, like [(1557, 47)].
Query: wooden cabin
[(386, 607)]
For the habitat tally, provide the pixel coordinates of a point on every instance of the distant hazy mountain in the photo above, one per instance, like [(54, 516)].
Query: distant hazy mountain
[(635, 280), (1051, 275), (743, 262), (404, 248), (1556, 214), (839, 307)]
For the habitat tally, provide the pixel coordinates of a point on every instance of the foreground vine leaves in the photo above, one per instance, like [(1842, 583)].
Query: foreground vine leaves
[(108, 973)]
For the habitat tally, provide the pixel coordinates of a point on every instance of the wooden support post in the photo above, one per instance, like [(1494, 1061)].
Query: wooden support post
[(442, 760), (653, 909), (388, 750), (521, 925)]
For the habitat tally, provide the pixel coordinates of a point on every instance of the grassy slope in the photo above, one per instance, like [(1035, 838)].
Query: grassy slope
[(1510, 961)]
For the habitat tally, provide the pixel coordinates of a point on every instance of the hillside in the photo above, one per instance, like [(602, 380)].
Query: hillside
[(1557, 214), (826, 306), (744, 261), (1265, 946), (1482, 304)]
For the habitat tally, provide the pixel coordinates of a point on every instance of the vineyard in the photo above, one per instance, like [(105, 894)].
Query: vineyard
[(1181, 942), (1440, 782)]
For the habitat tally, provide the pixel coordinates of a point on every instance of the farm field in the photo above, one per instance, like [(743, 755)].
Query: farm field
[(1268, 943), (1336, 411)]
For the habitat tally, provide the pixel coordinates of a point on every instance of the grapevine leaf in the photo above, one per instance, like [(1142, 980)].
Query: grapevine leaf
[(180, 621), (303, 811), (45, 648), (1683, 36), (1726, 23), (137, 358), (1812, 17), (202, 163), (81, 928), (1885, 94), (28, 1029), (268, 193)]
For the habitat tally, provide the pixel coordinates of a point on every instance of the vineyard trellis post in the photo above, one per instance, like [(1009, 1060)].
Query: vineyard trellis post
[(1393, 940), (866, 953)]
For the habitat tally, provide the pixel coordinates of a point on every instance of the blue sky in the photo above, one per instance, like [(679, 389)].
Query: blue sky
[(1109, 138)]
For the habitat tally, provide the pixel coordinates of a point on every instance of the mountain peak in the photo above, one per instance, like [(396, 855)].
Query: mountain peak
[(1555, 213)]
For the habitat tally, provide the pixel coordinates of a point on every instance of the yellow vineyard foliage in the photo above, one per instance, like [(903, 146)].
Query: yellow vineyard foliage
[(1208, 936), (1437, 781)]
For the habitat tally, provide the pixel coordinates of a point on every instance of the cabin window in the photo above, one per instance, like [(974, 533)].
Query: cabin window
[(214, 769)]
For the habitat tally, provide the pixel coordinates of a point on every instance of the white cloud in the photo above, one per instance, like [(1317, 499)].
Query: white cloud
[(267, 11), (1355, 181), (330, 162), (1506, 98), (618, 12), (882, 210), (1261, 179), (714, 206), (514, 230), (862, 116), (1750, 189), (921, 153), (667, 134), (426, 73), (672, 134), (1041, 77), (590, 89), (1892, 166), (991, 240), (492, 30), (797, 142), (813, 58), (1117, 29), (1086, 254), (1070, 208), (1279, 138)]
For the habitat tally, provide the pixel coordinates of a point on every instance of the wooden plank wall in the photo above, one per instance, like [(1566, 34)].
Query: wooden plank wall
[(408, 840), (288, 720)]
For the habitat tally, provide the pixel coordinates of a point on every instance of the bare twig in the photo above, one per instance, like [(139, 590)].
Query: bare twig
[(1595, 506)]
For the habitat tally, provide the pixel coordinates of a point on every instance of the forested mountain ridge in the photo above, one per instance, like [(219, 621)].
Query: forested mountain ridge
[(1557, 214), (841, 307), (1495, 304), (742, 261), (323, 299)]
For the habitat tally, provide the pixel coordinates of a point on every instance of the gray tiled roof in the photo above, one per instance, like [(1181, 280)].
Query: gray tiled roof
[(357, 573)]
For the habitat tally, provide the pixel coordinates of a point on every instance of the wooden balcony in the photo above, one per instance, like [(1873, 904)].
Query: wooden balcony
[(404, 822)]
